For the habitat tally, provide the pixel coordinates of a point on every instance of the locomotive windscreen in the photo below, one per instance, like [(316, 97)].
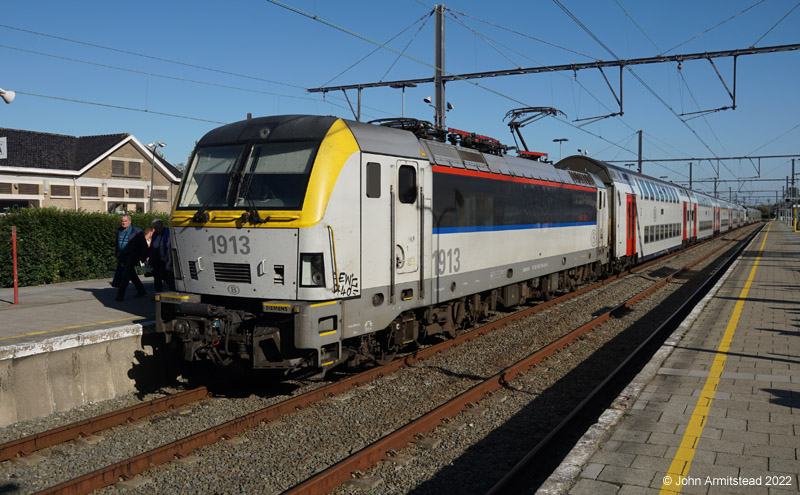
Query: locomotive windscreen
[(468, 201), (265, 175)]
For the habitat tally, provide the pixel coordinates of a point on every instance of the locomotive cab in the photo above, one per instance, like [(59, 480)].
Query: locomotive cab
[(253, 244)]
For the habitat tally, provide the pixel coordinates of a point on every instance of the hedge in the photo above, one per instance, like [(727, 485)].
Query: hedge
[(60, 245)]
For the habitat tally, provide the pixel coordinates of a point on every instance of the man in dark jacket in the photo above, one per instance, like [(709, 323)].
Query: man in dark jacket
[(158, 254), (130, 248)]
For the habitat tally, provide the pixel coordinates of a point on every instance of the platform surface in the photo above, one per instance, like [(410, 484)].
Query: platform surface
[(55, 310), (722, 413)]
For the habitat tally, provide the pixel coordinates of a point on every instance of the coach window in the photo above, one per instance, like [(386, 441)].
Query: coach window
[(407, 184), (373, 180)]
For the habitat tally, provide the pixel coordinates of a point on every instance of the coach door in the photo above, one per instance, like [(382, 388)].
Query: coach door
[(630, 235), (406, 224), (684, 221), (694, 222)]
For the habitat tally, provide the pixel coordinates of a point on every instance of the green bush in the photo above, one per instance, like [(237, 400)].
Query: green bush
[(60, 245)]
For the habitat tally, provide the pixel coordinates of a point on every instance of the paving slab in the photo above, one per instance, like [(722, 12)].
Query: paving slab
[(721, 413)]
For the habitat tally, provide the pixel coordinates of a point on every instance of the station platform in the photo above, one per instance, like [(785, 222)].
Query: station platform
[(69, 344), (48, 311), (717, 410)]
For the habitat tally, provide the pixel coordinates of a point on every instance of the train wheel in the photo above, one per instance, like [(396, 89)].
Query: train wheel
[(546, 294), (387, 348)]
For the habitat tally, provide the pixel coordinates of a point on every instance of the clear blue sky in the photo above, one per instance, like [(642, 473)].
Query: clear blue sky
[(254, 56)]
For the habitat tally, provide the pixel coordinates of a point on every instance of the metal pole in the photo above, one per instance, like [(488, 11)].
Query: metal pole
[(437, 78), (152, 175), (690, 175), (640, 152), (14, 258), (358, 118)]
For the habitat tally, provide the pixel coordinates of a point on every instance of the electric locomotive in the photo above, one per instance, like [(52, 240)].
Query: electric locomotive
[(308, 241)]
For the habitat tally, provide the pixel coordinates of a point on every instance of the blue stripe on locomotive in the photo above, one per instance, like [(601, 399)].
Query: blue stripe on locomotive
[(496, 228)]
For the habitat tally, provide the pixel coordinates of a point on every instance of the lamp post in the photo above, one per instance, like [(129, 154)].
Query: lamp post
[(152, 146), (560, 141), (7, 96)]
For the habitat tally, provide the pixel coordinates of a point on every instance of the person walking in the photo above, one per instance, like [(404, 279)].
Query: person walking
[(130, 248), (158, 253)]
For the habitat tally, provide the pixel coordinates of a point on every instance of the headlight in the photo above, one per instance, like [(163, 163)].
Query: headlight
[(312, 270)]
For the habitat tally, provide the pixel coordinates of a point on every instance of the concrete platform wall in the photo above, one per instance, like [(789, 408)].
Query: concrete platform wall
[(58, 374)]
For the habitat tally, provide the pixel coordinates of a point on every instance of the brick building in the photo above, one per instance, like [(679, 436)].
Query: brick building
[(93, 173)]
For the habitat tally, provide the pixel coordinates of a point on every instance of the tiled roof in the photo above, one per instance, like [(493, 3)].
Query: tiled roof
[(29, 149)]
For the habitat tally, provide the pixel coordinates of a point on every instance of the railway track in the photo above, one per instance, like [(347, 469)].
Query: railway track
[(229, 429), (329, 479)]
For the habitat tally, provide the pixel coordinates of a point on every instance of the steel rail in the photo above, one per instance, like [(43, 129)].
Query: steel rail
[(524, 467), (185, 446), (329, 479), (27, 445)]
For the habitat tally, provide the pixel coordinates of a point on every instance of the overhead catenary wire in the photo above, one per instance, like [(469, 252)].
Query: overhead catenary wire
[(457, 77), (151, 57), (523, 34), (132, 109), (680, 72), (634, 74), (776, 24), (713, 27), (152, 74), (181, 79), (376, 49), (484, 37), (407, 45)]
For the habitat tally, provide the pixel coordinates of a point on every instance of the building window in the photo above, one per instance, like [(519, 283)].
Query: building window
[(57, 191), (136, 193), (5, 188), (117, 168), (89, 192), (29, 188), (159, 194), (116, 192), (134, 169)]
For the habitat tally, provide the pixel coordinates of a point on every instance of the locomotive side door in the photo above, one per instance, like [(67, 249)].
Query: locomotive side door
[(630, 233), (406, 208)]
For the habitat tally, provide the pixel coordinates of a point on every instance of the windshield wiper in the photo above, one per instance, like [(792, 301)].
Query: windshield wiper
[(202, 215)]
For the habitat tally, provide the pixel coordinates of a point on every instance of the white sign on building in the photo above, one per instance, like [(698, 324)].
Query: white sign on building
[(3, 152)]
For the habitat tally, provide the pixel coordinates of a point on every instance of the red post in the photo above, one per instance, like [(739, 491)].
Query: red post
[(14, 256)]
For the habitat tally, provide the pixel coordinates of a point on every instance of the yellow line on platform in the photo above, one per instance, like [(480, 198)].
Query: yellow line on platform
[(679, 469), (67, 328)]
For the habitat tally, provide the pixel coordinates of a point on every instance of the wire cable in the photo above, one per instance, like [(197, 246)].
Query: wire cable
[(368, 40), (775, 139), (483, 38), (160, 59), (375, 50), (523, 34), (424, 23), (142, 110), (634, 74), (714, 26), (776, 24), (164, 76)]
